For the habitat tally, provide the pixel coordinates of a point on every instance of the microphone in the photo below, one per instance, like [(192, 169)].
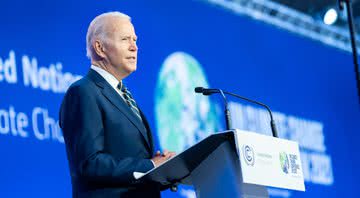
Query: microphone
[(340, 4), (206, 91)]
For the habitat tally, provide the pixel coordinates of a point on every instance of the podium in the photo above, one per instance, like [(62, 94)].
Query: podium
[(233, 164)]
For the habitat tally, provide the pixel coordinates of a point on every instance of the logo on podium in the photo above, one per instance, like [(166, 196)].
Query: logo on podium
[(249, 155), (284, 162)]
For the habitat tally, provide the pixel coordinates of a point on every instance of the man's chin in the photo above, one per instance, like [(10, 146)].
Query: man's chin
[(130, 69), (134, 67)]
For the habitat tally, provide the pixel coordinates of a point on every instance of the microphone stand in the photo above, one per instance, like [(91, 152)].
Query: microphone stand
[(353, 40), (272, 122), (227, 112), (207, 92)]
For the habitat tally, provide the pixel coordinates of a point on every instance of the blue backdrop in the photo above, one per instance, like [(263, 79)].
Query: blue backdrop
[(310, 86)]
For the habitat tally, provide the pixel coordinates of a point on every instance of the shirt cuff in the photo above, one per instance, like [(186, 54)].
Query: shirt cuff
[(153, 163)]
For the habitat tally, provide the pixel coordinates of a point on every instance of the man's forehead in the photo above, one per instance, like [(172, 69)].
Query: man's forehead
[(120, 25)]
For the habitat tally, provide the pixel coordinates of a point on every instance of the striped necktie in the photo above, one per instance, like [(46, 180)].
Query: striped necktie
[(129, 99)]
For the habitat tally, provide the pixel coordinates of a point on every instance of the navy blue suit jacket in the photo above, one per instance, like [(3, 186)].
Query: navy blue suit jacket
[(105, 141)]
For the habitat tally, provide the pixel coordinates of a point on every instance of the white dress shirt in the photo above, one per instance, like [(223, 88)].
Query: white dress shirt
[(109, 78)]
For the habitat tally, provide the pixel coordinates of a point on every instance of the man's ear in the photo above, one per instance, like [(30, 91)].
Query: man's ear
[(99, 48)]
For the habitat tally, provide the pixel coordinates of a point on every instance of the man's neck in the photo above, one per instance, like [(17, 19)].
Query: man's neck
[(111, 70)]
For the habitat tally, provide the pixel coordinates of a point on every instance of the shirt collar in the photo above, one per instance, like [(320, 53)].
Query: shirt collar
[(107, 76)]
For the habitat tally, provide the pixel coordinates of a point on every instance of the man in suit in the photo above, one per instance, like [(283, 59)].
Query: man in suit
[(107, 136)]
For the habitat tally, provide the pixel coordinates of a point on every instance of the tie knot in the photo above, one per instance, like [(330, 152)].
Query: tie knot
[(128, 99), (126, 93), (121, 86)]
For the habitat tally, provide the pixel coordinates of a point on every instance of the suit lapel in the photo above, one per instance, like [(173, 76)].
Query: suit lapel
[(147, 126), (119, 103)]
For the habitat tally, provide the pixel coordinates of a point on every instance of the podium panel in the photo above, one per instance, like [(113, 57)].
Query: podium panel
[(219, 159), (269, 161)]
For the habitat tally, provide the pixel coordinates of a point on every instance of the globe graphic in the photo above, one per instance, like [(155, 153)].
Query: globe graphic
[(182, 117)]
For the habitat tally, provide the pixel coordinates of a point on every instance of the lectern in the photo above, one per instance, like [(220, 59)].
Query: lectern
[(233, 163)]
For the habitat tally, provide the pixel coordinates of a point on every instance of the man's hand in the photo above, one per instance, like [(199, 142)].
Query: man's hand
[(160, 158)]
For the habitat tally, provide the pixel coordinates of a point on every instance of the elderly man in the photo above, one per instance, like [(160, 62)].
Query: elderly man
[(107, 136)]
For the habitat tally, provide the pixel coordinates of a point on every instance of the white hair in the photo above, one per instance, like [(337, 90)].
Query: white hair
[(96, 30)]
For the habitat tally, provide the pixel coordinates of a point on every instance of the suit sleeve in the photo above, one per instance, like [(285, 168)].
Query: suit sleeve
[(81, 121)]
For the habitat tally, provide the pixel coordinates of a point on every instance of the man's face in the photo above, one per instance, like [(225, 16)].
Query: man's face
[(120, 46)]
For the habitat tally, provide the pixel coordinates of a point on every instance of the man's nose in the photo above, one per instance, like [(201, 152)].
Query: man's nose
[(133, 46)]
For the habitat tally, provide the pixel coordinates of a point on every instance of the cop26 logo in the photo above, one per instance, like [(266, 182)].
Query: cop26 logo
[(284, 162), (249, 155)]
